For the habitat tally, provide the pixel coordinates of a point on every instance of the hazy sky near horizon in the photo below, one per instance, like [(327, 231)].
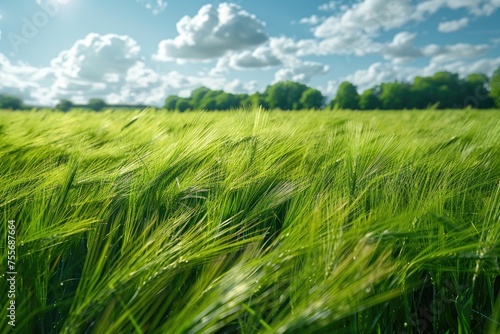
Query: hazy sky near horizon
[(141, 51)]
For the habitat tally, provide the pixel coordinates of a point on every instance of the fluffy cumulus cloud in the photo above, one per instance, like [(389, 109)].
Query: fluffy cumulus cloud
[(23, 80), (369, 16), (260, 57), (288, 46), (312, 20), (96, 66), (486, 66), (212, 33), (401, 48), (451, 26), (302, 72), (475, 7), (110, 67), (450, 53), (104, 58), (354, 29), (155, 6)]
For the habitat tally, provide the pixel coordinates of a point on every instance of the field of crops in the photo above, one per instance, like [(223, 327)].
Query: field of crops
[(252, 222)]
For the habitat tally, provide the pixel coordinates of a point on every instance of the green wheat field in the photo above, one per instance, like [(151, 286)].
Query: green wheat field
[(252, 221)]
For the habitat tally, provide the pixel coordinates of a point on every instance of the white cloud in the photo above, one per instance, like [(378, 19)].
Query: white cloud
[(475, 7), (288, 46), (450, 26), (353, 29), (332, 5), (302, 72), (312, 20), (357, 43), (109, 67), (401, 48), (97, 57), (23, 80), (155, 6), (277, 51), (236, 86), (212, 33), (463, 68), (449, 53), (261, 57), (368, 17)]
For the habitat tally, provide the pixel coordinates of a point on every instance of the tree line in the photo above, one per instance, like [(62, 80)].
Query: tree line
[(443, 90), (286, 95), (14, 103)]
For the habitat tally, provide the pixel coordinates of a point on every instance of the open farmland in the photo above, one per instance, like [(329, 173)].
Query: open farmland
[(253, 222)]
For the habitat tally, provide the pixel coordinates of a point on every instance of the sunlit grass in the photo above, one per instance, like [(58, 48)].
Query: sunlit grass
[(253, 222)]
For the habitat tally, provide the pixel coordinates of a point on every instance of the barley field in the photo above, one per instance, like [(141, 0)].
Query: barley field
[(252, 221)]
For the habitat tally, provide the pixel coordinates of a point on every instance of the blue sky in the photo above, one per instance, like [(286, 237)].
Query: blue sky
[(141, 51)]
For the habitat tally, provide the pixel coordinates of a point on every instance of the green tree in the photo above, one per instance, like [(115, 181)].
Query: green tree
[(475, 92), (10, 102), (183, 105), (495, 87), (257, 100), (171, 102), (285, 95), (226, 101), (208, 100), (312, 99), (64, 105), (396, 96), (369, 100), (197, 96), (347, 97), (423, 93), (448, 87), (443, 89), (97, 104)]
